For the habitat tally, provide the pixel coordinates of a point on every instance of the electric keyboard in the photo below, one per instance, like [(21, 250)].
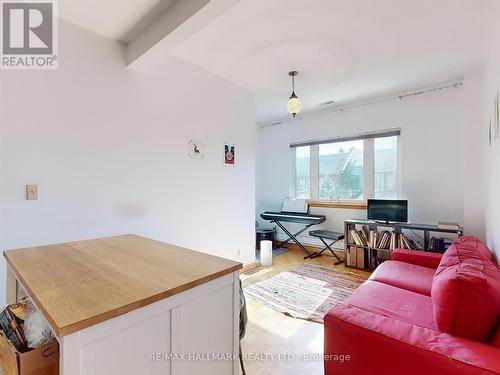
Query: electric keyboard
[(291, 217)]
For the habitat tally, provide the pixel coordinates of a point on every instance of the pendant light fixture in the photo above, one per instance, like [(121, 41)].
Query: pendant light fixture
[(293, 105)]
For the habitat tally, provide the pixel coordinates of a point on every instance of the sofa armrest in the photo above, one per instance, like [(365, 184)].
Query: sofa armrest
[(419, 258), (358, 341)]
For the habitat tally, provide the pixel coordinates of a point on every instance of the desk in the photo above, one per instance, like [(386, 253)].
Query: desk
[(115, 302)]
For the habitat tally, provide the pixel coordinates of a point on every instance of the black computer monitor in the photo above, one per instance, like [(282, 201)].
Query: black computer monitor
[(388, 210)]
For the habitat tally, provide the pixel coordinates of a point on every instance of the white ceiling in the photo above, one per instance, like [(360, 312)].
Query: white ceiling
[(120, 20), (344, 50)]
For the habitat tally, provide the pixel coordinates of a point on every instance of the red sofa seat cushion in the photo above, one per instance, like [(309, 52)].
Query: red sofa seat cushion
[(378, 344), (394, 302), (404, 275), (466, 292)]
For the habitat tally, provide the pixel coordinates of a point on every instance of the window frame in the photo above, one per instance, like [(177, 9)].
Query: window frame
[(293, 173), (368, 169)]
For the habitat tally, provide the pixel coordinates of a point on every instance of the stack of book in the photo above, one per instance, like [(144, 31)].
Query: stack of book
[(356, 257), (359, 237), (384, 240)]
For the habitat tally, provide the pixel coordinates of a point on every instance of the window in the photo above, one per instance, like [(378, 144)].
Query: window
[(341, 171), (303, 172), (385, 167), (347, 169)]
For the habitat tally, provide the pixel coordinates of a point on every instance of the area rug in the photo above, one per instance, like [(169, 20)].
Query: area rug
[(276, 252), (306, 292)]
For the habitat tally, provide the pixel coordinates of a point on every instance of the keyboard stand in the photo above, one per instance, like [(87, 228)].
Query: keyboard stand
[(293, 237)]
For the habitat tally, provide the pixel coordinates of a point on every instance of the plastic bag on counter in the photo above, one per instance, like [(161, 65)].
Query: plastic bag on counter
[(36, 327)]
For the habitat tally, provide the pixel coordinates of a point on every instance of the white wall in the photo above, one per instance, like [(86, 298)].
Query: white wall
[(492, 79), (441, 155), (108, 148)]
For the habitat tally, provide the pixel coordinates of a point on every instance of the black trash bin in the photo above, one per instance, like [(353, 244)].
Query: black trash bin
[(264, 234)]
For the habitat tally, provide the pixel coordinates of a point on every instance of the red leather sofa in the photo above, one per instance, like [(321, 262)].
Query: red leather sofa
[(421, 313)]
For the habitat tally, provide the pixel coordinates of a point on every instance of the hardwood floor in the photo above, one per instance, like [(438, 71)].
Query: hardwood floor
[(274, 343)]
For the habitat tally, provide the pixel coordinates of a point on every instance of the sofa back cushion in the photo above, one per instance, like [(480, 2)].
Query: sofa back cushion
[(465, 247), (466, 292), (495, 340)]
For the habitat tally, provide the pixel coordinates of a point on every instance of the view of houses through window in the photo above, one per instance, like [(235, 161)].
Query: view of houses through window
[(352, 170), (341, 171)]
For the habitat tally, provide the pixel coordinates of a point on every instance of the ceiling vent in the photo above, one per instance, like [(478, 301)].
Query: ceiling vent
[(329, 102)]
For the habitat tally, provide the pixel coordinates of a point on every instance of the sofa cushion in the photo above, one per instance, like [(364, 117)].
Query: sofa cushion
[(475, 244), (495, 340), (466, 294), (404, 275), (465, 247), (380, 345), (397, 303), (417, 257)]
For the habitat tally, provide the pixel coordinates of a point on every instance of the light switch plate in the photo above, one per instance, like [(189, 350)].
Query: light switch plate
[(32, 192)]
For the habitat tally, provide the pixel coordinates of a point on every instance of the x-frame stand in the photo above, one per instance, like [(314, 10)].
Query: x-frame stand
[(293, 237), (328, 247)]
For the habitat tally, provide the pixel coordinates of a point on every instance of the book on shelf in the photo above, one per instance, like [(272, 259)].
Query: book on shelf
[(359, 237), (393, 241), (351, 256), (356, 256), (448, 226), (403, 244), (355, 237), (366, 231), (372, 240), (406, 242), (364, 239), (385, 240), (360, 257)]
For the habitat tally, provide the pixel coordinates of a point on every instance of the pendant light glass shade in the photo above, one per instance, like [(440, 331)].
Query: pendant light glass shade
[(293, 105)]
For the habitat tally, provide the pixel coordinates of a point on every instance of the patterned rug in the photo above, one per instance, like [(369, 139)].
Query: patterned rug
[(276, 252), (306, 292)]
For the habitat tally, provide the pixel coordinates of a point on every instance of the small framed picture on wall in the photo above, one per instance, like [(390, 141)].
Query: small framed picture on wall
[(229, 154)]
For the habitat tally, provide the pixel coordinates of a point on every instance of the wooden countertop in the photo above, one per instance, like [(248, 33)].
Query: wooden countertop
[(80, 284)]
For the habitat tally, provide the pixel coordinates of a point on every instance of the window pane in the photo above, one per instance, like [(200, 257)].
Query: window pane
[(341, 170), (385, 167), (303, 172)]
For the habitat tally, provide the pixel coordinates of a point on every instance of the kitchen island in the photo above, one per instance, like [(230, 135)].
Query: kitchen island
[(130, 305)]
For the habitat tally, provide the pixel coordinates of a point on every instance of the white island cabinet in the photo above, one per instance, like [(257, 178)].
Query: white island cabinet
[(128, 305)]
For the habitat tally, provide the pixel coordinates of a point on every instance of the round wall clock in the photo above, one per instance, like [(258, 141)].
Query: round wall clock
[(196, 149)]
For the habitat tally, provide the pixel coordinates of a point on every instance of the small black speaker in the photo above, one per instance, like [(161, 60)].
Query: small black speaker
[(264, 234)]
